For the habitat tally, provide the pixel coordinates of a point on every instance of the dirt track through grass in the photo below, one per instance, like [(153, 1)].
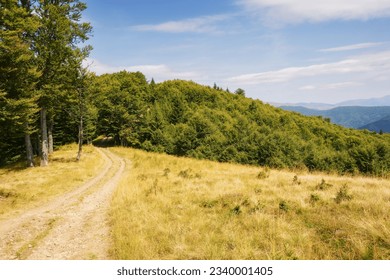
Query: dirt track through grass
[(72, 226)]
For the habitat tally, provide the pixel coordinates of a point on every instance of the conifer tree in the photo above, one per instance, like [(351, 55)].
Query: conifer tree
[(18, 72)]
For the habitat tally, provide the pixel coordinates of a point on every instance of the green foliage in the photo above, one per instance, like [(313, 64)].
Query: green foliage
[(296, 180), (18, 77), (40, 67), (188, 174), (236, 210), (314, 198), (264, 174), (240, 92), (323, 185), (283, 206), (186, 119), (343, 195)]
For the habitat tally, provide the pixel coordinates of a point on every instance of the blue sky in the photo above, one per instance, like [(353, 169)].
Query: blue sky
[(276, 50)]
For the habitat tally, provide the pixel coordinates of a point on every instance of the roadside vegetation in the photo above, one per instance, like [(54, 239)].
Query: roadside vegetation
[(180, 208), (22, 188)]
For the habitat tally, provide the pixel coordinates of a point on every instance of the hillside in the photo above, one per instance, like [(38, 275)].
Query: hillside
[(186, 119), (351, 116)]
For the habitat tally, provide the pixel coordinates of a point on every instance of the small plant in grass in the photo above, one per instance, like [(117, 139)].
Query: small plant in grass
[(142, 177), (343, 195), (258, 190), (296, 180), (245, 202), (263, 174), (314, 198), (6, 194), (283, 206), (188, 174), (153, 188), (236, 210), (166, 172), (323, 185), (256, 208), (209, 203)]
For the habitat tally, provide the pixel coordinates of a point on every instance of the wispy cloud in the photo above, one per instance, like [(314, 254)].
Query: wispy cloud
[(378, 63), (205, 24), (159, 72), (352, 47), (319, 10), (331, 86)]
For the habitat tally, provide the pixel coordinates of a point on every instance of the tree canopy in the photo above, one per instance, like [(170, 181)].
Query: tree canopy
[(186, 119)]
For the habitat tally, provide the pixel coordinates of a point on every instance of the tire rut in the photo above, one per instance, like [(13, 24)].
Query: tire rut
[(72, 226)]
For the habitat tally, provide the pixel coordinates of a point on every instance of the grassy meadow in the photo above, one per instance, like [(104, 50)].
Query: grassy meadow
[(22, 188), (178, 208)]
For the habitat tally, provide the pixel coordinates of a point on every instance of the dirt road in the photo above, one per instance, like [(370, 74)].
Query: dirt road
[(73, 226)]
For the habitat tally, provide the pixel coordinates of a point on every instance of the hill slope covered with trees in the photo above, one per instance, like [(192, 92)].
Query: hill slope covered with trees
[(186, 119)]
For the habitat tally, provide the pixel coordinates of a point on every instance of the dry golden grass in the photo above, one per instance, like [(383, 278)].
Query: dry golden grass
[(22, 188), (176, 208)]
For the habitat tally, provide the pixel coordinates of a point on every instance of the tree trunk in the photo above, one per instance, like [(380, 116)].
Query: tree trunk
[(50, 136), (37, 144), (44, 140), (29, 148), (81, 132)]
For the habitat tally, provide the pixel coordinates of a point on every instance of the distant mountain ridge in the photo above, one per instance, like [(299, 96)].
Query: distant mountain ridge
[(382, 101), (350, 116), (383, 125), (372, 102)]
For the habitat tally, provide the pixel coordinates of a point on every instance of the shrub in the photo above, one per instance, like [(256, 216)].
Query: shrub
[(283, 206), (236, 210), (188, 174), (343, 194), (166, 172), (314, 198), (208, 203), (323, 185), (263, 174), (296, 181)]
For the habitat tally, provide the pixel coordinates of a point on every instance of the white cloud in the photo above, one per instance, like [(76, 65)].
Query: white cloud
[(159, 72), (374, 64), (318, 10), (331, 86), (352, 47), (206, 24), (308, 87)]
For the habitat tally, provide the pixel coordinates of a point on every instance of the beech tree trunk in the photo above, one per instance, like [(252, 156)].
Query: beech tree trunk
[(29, 148), (81, 132), (50, 136), (44, 140)]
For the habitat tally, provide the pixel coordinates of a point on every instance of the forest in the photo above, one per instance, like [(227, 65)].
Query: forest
[(48, 99)]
